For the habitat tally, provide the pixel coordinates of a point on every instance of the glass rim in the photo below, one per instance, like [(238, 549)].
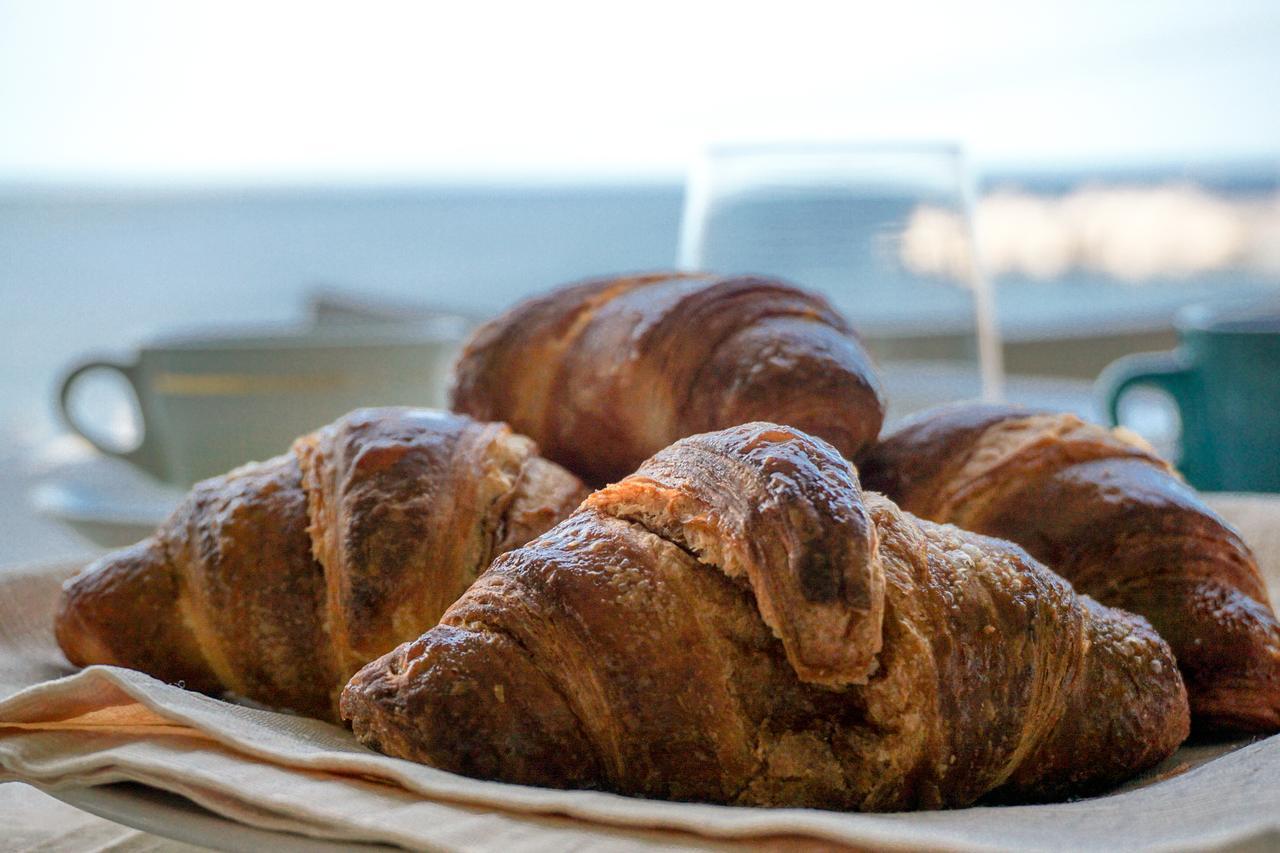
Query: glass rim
[(836, 146)]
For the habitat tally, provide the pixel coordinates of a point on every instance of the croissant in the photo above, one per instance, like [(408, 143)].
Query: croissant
[(1105, 512), (280, 579), (737, 622), (702, 352)]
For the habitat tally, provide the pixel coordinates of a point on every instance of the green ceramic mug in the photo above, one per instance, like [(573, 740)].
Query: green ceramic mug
[(1225, 378), (210, 403)]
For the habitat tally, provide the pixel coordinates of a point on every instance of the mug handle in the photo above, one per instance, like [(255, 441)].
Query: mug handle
[(1169, 372), (147, 454)]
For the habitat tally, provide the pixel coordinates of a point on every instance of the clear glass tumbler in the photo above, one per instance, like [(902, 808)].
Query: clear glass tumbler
[(885, 231)]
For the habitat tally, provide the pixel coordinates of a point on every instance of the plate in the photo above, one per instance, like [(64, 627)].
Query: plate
[(171, 816)]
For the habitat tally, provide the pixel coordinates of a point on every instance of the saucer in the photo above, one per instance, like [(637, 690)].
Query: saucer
[(106, 500)]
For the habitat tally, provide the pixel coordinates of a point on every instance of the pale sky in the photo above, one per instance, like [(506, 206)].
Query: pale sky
[(138, 91)]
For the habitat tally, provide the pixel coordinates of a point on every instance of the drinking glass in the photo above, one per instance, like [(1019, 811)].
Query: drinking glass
[(885, 231)]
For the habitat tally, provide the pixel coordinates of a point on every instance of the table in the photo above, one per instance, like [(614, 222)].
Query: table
[(32, 819)]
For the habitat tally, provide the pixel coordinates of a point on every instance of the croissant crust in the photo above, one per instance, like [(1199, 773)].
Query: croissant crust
[(604, 373), (1104, 511), (737, 622), (279, 580)]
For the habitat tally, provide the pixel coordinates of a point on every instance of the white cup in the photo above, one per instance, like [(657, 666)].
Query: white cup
[(209, 403)]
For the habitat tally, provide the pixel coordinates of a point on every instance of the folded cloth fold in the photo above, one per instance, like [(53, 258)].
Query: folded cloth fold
[(60, 728)]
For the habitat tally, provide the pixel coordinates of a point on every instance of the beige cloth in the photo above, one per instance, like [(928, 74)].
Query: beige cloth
[(102, 725)]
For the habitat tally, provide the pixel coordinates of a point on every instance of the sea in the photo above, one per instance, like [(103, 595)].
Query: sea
[(87, 271)]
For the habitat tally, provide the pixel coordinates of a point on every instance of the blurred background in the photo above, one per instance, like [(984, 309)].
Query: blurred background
[(166, 165)]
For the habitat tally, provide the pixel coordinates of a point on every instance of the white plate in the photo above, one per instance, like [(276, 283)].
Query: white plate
[(170, 816)]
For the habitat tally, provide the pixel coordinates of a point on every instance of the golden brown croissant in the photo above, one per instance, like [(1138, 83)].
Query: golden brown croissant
[(605, 373), (1101, 509), (738, 623), (279, 580)]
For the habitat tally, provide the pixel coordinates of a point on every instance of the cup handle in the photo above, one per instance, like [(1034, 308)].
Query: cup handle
[(1169, 372), (147, 454)]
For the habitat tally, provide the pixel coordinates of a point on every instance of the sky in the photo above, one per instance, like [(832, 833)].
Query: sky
[(137, 92)]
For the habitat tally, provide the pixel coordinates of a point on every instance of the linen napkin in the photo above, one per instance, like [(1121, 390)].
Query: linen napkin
[(61, 728)]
